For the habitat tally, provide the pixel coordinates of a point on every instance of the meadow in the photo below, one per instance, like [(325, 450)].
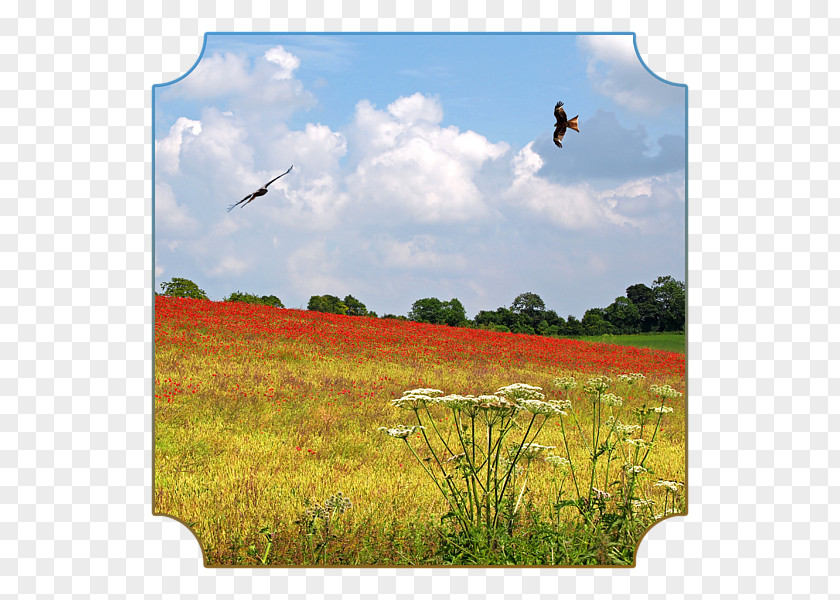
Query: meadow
[(277, 440)]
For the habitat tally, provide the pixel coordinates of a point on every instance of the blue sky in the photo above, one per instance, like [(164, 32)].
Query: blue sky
[(423, 167)]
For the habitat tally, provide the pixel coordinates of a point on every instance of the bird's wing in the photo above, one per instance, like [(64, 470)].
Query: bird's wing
[(248, 197), (559, 114), (278, 177), (559, 132)]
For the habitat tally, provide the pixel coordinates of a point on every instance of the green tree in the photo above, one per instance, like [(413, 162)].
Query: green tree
[(454, 313), (623, 315), (427, 310), (182, 288), (645, 301), (594, 322), (355, 307), (573, 326), (531, 309), (254, 299), (327, 304), (670, 299)]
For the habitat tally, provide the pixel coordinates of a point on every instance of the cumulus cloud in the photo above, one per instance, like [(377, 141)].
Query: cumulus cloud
[(229, 266), (286, 61), (168, 149), (575, 206), (419, 253), (409, 167), (170, 216), (611, 151), (268, 81), (614, 70)]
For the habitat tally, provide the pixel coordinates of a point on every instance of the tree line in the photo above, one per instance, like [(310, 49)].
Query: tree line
[(643, 309)]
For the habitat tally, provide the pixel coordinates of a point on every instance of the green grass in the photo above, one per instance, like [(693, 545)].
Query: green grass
[(671, 342)]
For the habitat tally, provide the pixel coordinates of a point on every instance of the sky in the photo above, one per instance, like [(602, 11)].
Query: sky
[(424, 167)]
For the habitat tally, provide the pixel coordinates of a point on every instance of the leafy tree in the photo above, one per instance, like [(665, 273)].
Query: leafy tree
[(454, 313), (182, 288), (355, 307), (573, 326), (327, 304), (645, 301), (393, 316), (254, 299), (594, 322), (530, 307), (623, 315), (427, 310), (494, 319), (670, 299)]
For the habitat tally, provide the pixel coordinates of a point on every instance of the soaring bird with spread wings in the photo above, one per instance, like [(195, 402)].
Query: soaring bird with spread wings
[(260, 192), (562, 123)]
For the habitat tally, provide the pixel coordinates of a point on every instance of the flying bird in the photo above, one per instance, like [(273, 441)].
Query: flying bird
[(260, 192), (562, 123)]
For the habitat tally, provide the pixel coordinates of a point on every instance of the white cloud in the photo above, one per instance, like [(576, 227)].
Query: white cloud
[(168, 149), (312, 268), (614, 70), (419, 253), (170, 216), (409, 168), (287, 62), (576, 206), (229, 266), (267, 82)]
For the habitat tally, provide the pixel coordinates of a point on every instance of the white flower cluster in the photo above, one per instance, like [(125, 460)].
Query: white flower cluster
[(671, 485), (538, 407), (401, 431), (521, 391), (565, 383), (630, 378), (598, 384), (638, 442), (663, 409), (414, 399), (637, 469), (624, 430), (530, 451), (338, 503), (600, 494), (557, 461), (611, 399), (665, 391)]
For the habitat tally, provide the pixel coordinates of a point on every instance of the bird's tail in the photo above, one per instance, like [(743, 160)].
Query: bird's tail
[(572, 124)]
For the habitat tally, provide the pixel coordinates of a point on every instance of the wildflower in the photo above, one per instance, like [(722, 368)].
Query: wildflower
[(338, 503), (663, 409), (521, 391), (539, 407), (630, 378), (530, 451), (600, 494), (612, 400), (563, 405), (557, 461), (665, 391), (414, 399), (638, 442), (565, 383), (635, 469), (642, 503), (401, 431), (597, 385), (671, 485)]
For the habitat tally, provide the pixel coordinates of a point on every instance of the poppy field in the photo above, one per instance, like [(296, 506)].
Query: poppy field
[(292, 437)]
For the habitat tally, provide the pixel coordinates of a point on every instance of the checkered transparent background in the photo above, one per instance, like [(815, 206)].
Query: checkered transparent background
[(76, 314)]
